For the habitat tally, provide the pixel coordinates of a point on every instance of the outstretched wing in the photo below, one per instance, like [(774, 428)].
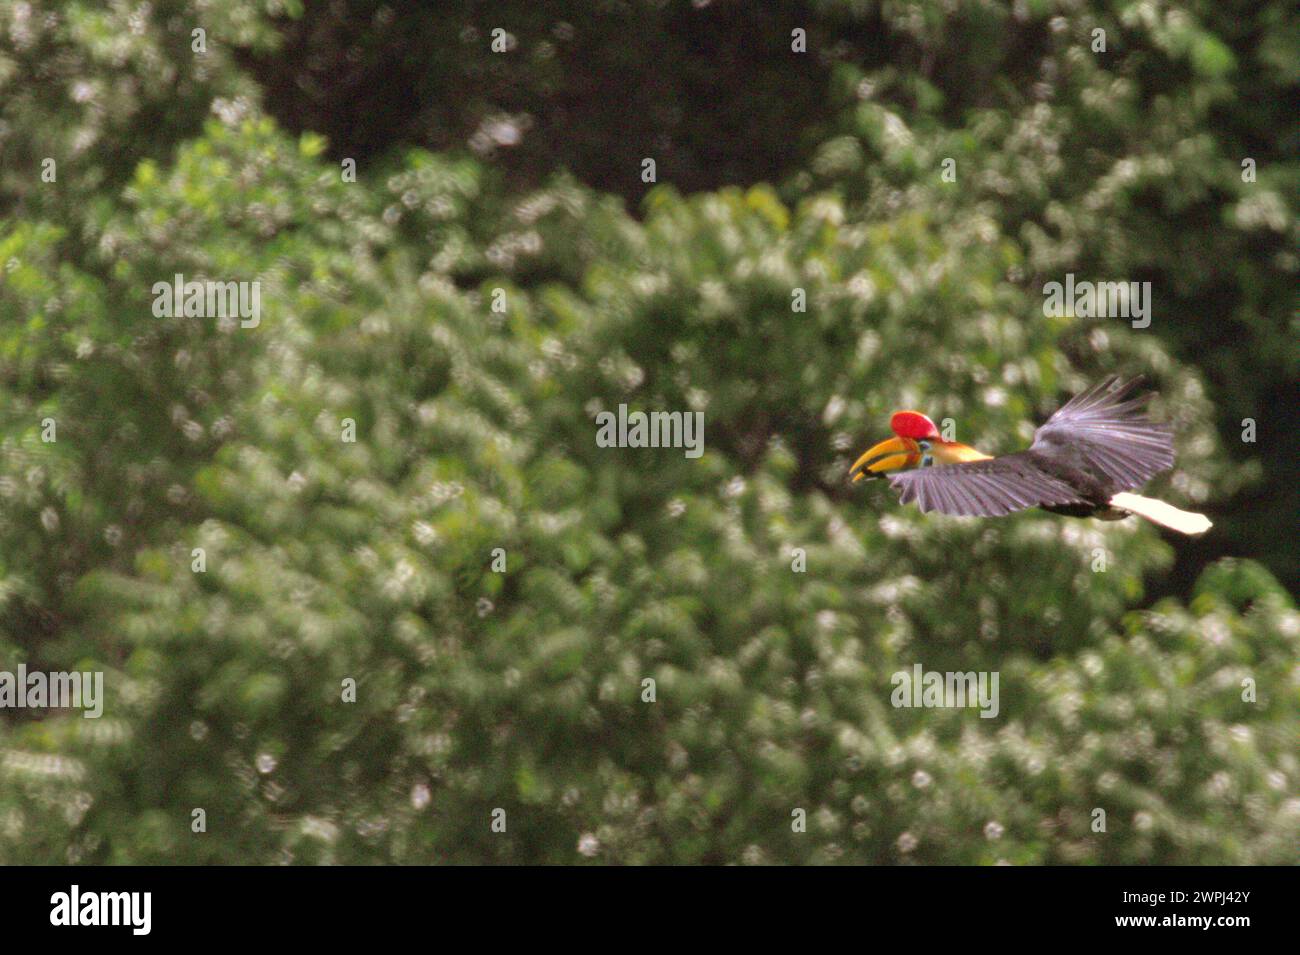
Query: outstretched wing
[(988, 488), (1104, 430)]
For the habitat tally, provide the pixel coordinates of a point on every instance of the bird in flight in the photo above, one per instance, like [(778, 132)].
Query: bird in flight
[(1084, 462)]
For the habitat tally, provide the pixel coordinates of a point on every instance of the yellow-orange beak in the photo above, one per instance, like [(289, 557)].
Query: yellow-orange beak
[(897, 453)]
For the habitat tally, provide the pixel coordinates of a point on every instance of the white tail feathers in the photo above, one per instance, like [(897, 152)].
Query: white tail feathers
[(1166, 515)]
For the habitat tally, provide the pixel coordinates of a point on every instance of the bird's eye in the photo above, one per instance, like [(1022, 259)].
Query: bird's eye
[(925, 445)]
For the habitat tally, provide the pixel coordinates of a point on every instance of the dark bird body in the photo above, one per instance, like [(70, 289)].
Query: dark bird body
[(1083, 462)]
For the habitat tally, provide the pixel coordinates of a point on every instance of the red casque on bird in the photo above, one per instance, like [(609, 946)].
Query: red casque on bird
[(1084, 462)]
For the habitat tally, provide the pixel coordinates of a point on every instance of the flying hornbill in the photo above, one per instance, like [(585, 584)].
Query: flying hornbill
[(1083, 463)]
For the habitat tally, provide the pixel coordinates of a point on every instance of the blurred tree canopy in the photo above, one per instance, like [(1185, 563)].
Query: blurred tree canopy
[(515, 177)]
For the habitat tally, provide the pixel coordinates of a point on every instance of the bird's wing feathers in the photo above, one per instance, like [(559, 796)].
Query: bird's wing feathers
[(1105, 429), (989, 488)]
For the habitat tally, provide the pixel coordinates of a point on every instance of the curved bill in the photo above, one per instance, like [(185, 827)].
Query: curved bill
[(893, 453)]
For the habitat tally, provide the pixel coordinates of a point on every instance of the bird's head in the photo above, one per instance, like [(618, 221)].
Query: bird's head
[(911, 447)]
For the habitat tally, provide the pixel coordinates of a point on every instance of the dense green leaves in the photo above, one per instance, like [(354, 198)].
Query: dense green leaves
[(770, 603)]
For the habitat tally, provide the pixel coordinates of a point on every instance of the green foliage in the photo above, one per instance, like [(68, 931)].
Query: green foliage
[(330, 560), (1125, 163), (98, 86)]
